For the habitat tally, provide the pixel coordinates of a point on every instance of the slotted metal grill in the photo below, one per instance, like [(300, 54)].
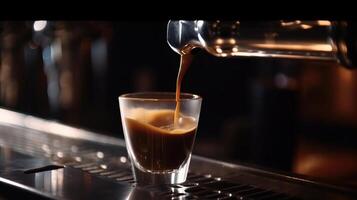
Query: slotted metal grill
[(99, 163), (206, 180)]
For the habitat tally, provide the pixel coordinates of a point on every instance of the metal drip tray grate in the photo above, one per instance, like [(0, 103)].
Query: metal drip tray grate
[(117, 168), (216, 189), (207, 179)]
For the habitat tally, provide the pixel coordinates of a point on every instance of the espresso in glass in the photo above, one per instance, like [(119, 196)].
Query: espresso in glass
[(159, 130), (156, 143), (159, 149)]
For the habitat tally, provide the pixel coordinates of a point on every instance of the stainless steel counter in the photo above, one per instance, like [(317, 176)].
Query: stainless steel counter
[(49, 160)]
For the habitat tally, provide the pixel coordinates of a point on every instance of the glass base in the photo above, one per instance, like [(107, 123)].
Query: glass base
[(144, 178)]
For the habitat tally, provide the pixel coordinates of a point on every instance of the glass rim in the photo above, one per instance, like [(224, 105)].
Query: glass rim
[(154, 96)]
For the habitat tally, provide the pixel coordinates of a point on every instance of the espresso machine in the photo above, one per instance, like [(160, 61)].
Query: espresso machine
[(45, 159), (314, 40)]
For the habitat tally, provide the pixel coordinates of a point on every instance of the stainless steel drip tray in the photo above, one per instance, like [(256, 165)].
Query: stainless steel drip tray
[(46, 159), (60, 183)]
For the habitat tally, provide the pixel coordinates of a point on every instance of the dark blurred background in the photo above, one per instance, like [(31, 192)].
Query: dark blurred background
[(287, 115)]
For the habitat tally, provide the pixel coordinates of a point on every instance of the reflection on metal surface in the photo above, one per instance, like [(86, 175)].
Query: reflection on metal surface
[(100, 154), (219, 50), (50, 182), (39, 25), (60, 154), (235, 49), (74, 148), (219, 41), (10, 117), (78, 159), (13, 118), (46, 148), (123, 159), (265, 54), (135, 194), (232, 41), (296, 47), (323, 23), (22, 186), (290, 23), (305, 26)]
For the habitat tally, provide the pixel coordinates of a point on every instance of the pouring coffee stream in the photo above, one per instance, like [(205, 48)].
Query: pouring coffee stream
[(185, 62)]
